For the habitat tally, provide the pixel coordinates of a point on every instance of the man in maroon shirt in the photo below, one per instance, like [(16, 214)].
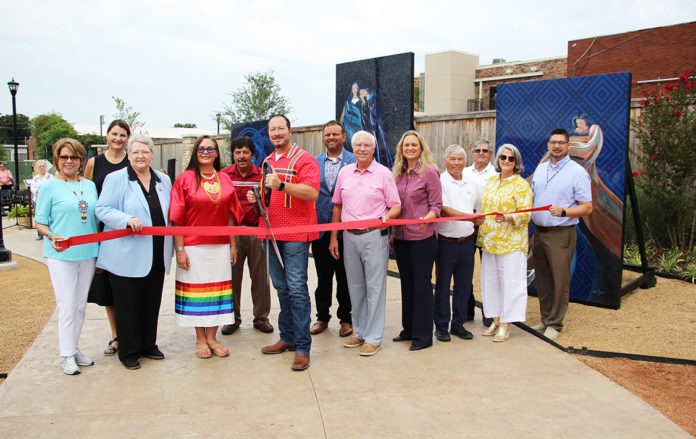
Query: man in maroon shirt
[(248, 247)]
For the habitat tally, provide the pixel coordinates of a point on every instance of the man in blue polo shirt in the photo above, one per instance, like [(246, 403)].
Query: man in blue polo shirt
[(566, 186)]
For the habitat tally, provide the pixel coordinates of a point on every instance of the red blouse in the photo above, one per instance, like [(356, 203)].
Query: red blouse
[(191, 206)]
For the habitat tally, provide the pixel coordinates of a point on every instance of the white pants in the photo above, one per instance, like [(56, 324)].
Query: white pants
[(71, 281), (504, 286)]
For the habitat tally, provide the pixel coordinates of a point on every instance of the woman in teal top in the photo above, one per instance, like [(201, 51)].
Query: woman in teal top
[(65, 208)]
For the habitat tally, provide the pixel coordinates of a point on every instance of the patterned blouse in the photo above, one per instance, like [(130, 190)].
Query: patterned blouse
[(512, 194)]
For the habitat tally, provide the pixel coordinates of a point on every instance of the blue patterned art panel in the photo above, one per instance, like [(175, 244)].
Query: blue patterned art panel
[(258, 131), (595, 111)]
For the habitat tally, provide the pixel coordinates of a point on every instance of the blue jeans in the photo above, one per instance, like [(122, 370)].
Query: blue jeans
[(291, 284)]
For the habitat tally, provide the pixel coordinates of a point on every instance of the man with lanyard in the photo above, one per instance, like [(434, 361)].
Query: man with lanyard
[(567, 187), (330, 162), (481, 170), (455, 247), (248, 247), (294, 180)]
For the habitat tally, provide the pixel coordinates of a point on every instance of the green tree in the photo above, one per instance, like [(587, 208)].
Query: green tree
[(7, 129), (126, 112), (666, 134), (46, 129), (258, 99), (185, 125), (7, 132)]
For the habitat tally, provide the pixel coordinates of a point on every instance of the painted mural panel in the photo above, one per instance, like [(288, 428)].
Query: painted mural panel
[(258, 131), (376, 95), (595, 111)]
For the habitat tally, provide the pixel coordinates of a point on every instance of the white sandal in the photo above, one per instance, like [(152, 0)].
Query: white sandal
[(491, 330)]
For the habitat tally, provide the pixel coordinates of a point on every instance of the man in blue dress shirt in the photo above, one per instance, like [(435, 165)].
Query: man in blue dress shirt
[(566, 186)]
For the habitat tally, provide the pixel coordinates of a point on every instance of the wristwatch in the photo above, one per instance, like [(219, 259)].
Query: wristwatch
[(281, 186), (178, 249), (563, 213)]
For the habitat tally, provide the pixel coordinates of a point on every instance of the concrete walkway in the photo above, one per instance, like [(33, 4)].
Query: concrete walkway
[(521, 388)]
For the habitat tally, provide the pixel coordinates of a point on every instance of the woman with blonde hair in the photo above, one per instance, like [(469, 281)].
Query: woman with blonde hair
[(415, 246)]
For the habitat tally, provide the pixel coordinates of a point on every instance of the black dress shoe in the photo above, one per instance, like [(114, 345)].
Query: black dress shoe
[(132, 365), (400, 338), (462, 333), (487, 321), (154, 354), (442, 335), (418, 348)]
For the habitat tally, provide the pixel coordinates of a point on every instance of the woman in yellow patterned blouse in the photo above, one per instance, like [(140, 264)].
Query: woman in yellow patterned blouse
[(504, 241)]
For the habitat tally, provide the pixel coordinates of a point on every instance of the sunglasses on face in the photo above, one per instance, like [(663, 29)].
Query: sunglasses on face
[(74, 158), (509, 158), (208, 149), (480, 151)]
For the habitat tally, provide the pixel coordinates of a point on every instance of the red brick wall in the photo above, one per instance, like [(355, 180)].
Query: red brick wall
[(663, 52), (553, 68)]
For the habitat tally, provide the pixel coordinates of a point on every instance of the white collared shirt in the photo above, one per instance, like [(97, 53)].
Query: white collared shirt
[(481, 178), (461, 195)]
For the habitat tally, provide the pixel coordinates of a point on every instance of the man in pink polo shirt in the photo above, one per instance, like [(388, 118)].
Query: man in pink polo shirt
[(295, 184), (365, 190)]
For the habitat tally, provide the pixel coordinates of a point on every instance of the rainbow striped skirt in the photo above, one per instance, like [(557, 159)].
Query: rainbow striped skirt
[(204, 291)]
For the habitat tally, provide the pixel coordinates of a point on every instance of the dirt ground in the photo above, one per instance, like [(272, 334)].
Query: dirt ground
[(657, 321)]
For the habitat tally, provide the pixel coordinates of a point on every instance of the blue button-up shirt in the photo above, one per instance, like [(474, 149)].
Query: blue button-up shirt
[(564, 185)]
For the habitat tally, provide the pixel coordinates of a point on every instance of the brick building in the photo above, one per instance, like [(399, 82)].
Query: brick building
[(653, 56), (490, 76)]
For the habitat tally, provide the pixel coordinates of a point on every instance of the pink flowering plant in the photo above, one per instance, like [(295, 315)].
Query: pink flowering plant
[(665, 132)]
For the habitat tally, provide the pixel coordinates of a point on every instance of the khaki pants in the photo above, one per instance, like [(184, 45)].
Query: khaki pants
[(249, 248), (553, 253)]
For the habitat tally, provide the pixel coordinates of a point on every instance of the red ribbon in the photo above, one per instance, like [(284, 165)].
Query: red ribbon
[(262, 232)]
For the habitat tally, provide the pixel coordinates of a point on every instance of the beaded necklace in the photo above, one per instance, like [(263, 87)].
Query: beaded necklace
[(211, 186), (81, 202)]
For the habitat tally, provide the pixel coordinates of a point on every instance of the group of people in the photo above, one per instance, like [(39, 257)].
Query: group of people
[(119, 190)]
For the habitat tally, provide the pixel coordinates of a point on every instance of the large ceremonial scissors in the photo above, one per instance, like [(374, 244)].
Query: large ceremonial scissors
[(262, 206)]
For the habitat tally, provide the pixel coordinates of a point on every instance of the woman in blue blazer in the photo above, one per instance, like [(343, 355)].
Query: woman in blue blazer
[(136, 197)]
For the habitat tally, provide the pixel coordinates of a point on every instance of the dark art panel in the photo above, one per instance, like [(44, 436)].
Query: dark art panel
[(595, 111), (376, 95), (258, 131)]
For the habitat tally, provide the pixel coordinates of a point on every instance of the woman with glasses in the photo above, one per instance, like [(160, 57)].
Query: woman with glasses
[(97, 168), (65, 207), (203, 196), (503, 238), (136, 197)]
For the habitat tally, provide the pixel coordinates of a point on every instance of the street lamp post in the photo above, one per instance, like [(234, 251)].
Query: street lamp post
[(5, 254), (101, 124), (218, 121), (14, 85)]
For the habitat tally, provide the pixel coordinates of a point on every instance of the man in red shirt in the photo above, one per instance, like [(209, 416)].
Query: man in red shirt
[(295, 183), (248, 247)]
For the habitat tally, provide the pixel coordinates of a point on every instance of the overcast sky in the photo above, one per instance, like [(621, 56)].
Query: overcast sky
[(177, 61)]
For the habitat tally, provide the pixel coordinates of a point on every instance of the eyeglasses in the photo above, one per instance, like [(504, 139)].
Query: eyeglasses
[(558, 142), (208, 149), (74, 158), (140, 153), (509, 158), (484, 151)]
